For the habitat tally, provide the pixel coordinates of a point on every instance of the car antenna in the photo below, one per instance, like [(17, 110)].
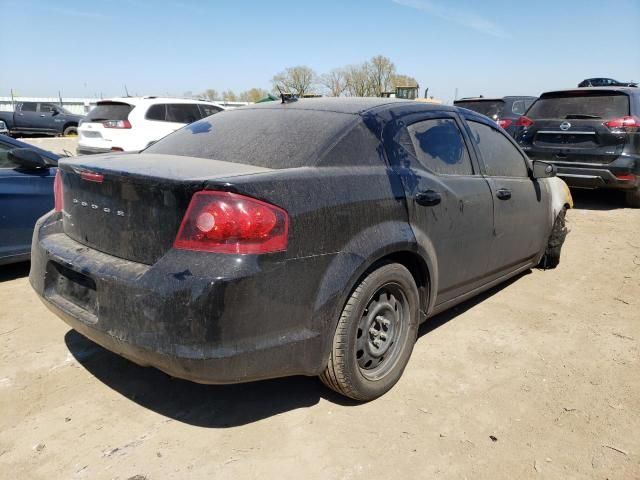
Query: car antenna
[(287, 97)]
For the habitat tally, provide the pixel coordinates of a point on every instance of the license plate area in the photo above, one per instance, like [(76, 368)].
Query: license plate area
[(68, 287)]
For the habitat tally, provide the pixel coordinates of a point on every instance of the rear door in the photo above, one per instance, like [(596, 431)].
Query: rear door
[(449, 203), (27, 117), (520, 209), (570, 127), (24, 197)]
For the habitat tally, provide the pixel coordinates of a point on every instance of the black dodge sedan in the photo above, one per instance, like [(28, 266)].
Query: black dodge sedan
[(308, 237)]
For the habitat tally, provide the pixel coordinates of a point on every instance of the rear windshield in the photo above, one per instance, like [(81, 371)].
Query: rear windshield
[(581, 105), (491, 108), (109, 111), (264, 137)]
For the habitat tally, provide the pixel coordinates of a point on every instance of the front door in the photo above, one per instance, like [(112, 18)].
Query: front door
[(520, 210), (449, 202), (24, 197)]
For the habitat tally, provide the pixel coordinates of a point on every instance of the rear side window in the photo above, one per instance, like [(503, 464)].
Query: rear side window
[(182, 112), (109, 111), (28, 107), (208, 110), (157, 112), (500, 157), (490, 108), (518, 107), (581, 105), (264, 136), (440, 147)]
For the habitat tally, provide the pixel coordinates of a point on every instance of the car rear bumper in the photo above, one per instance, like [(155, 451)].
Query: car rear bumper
[(621, 174), (235, 325)]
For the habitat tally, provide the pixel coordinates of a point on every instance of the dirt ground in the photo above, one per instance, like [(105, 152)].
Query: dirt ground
[(60, 145), (536, 379)]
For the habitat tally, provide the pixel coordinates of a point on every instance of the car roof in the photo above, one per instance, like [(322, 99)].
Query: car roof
[(628, 90), (493, 99), (152, 100), (18, 144), (348, 105)]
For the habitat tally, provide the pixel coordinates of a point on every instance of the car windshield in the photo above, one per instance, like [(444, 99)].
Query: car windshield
[(490, 108), (264, 137), (109, 111), (580, 105)]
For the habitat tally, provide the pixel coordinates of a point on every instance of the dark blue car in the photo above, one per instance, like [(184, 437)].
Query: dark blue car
[(26, 193)]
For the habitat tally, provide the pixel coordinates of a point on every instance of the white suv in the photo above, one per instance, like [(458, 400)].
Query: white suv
[(133, 123)]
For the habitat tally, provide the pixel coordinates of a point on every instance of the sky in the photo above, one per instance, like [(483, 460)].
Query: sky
[(490, 48)]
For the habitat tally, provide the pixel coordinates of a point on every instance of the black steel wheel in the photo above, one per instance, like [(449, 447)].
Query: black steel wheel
[(375, 334)]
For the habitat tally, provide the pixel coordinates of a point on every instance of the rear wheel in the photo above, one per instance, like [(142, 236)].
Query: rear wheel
[(551, 258), (633, 198), (375, 334), (72, 130)]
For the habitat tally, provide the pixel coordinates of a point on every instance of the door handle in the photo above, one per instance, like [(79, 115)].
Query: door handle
[(503, 194), (428, 198)]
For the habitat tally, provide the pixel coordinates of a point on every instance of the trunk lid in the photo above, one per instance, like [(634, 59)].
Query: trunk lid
[(131, 205), (570, 127)]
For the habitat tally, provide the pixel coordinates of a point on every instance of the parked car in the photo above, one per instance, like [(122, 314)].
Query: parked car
[(40, 118), (3, 128), (504, 111), (591, 135), (26, 193), (605, 82), (133, 123), (286, 239)]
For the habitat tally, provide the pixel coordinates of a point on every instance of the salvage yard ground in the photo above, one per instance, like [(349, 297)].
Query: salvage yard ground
[(538, 378)]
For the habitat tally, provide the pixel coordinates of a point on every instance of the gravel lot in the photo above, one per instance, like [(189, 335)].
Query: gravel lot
[(59, 145), (535, 379)]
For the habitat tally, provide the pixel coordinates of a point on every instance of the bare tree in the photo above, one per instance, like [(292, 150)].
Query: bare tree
[(210, 94), (253, 95), (298, 80), (381, 71), (358, 80), (403, 81), (335, 81), (229, 96)]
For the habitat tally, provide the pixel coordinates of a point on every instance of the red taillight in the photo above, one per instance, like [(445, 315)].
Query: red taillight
[(116, 124), (57, 192), (626, 177), (524, 122), (624, 122), (117, 149), (92, 177), (226, 222), (505, 123)]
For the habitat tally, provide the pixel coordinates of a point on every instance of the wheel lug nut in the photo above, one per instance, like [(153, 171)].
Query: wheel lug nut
[(385, 322), (383, 335)]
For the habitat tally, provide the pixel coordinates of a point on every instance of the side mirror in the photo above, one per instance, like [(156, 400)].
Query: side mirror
[(28, 159), (55, 111), (543, 169)]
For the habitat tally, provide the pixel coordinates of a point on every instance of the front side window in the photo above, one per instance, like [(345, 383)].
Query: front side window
[(47, 108), (29, 107), (500, 157), (4, 157), (440, 147)]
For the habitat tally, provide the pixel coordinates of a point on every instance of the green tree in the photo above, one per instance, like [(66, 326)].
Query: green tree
[(211, 94), (229, 96)]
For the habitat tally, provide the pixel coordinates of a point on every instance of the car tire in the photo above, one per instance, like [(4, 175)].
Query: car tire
[(375, 334), (551, 257), (72, 130), (633, 198)]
